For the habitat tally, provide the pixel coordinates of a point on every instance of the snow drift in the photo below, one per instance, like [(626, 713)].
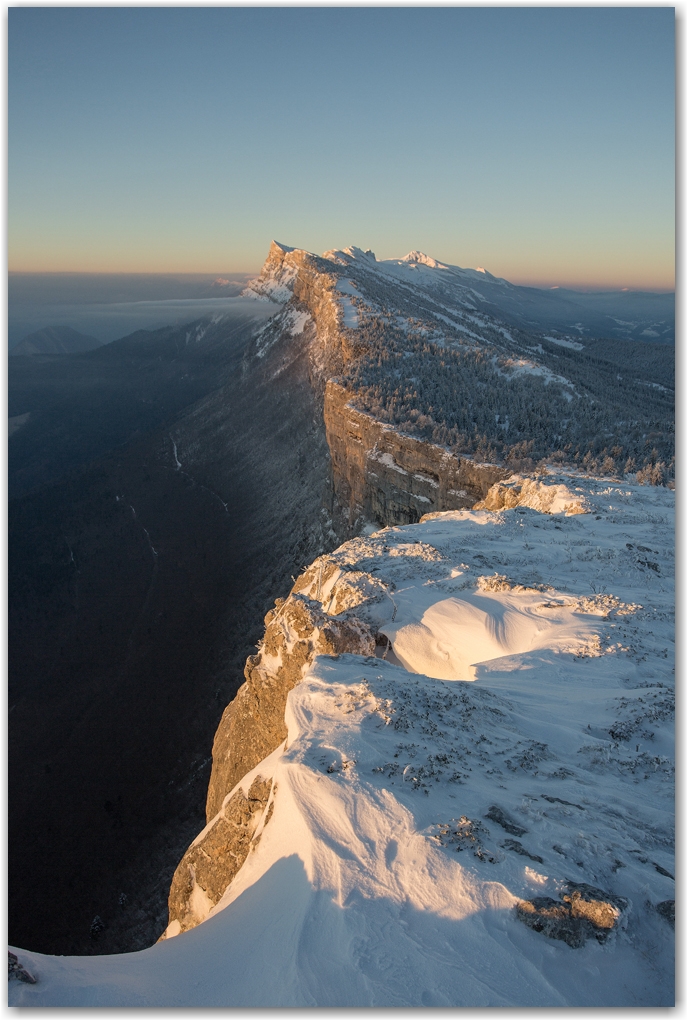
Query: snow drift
[(430, 837)]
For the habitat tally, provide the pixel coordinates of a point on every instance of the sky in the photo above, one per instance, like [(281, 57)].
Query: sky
[(537, 143)]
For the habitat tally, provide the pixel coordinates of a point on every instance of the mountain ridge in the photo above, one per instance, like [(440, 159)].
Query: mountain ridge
[(477, 518), (416, 357), (55, 340), (293, 275), (562, 309)]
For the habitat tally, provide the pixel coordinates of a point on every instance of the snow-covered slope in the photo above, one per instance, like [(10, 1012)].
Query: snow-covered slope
[(640, 316), (480, 815), (433, 351)]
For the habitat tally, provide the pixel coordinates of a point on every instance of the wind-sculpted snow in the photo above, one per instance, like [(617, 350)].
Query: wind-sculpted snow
[(478, 816)]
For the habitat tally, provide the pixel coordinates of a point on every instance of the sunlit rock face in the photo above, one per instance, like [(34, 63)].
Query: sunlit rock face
[(378, 473), (430, 396), (215, 857), (251, 728), (253, 724), (381, 474)]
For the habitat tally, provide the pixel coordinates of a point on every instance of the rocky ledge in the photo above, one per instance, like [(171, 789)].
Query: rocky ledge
[(251, 728)]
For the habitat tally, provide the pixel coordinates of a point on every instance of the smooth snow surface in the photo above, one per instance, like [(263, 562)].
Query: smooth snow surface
[(359, 892), (563, 342), (350, 313)]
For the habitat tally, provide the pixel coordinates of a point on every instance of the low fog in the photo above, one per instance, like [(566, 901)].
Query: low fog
[(111, 306)]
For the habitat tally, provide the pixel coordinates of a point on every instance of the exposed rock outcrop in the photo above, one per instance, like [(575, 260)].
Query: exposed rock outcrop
[(18, 970), (291, 274), (582, 912), (215, 856), (253, 724), (520, 491), (384, 475), (667, 911)]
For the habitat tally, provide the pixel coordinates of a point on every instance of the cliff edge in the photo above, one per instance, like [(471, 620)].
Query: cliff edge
[(469, 797)]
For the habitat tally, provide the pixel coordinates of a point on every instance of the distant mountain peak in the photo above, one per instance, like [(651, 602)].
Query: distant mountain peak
[(425, 260), (56, 340), (359, 253), (281, 247)]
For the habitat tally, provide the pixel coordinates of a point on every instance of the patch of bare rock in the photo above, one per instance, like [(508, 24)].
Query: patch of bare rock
[(581, 913)]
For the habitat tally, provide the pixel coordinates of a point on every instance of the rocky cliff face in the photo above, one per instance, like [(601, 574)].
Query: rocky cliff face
[(216, 856), (306, 282), (424, 354), (253, 726), (383, 475), (378, 473), (336, 304)]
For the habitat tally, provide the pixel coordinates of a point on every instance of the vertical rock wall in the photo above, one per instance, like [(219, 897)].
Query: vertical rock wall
[(385, 476), (251, 728), (378, 473)]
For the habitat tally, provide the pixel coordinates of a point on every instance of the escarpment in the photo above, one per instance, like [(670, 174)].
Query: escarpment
[(377, 472), (252, 726), (427, 406), (307, 283), (428, 399), (381, 474)]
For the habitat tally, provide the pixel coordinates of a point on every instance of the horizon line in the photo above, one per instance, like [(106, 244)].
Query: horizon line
[(537, 285)]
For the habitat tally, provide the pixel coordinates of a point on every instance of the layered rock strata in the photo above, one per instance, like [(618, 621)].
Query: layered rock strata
[(381, 474), (378, 473), (253, 725), (304, 281)]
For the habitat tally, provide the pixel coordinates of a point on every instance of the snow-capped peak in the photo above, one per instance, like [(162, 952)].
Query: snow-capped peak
[(425, 260), (352, 252), (358, 253), (276, 280)]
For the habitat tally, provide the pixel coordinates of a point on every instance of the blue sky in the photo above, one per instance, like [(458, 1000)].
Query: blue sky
[(536, 142)]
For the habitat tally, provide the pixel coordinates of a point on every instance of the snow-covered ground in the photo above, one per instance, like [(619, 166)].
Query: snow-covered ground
[(432, 809)]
